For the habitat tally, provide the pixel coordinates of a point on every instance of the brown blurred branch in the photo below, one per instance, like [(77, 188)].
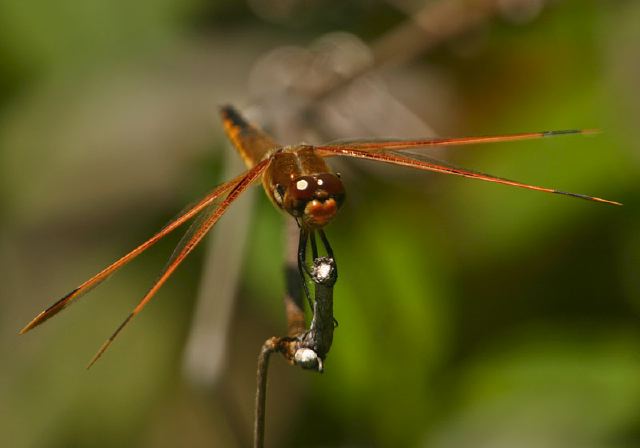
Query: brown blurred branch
[(423, 31), (306, 90)]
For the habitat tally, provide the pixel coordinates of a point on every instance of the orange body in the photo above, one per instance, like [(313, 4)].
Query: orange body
[(297, 179)]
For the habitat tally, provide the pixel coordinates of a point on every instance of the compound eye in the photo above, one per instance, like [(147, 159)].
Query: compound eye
[(332, 186), (303, 188), (330, 183)]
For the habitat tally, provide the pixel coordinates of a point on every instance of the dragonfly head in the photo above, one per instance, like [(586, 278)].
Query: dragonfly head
[(314, 199)]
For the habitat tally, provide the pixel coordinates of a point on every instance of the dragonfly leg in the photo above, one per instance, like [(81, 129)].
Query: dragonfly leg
[(325, 242), (314, 245), (303, 268)]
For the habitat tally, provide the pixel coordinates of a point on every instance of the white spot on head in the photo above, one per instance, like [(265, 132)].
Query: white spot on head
[(320, 181), (302, 184)]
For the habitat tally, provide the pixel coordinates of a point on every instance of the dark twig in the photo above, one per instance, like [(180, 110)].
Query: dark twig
[(307, 349), (320, 335), (270, 346)]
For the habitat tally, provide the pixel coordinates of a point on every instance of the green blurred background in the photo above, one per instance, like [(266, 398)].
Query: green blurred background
[(470, 314)]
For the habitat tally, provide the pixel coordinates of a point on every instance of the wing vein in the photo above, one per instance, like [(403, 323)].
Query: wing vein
[(428, 164), (101, 276), (186, 245)]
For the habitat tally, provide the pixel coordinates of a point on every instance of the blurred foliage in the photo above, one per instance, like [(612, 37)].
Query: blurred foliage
[(470, 314)]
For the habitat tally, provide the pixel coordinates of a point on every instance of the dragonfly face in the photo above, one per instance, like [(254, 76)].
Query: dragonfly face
[(299, 182), (313, 199)]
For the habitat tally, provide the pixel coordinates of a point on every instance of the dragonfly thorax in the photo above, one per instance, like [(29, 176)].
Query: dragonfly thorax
[(313, 199)]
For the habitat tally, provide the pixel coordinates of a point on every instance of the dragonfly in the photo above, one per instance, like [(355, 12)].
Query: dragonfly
[(299, 182)]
